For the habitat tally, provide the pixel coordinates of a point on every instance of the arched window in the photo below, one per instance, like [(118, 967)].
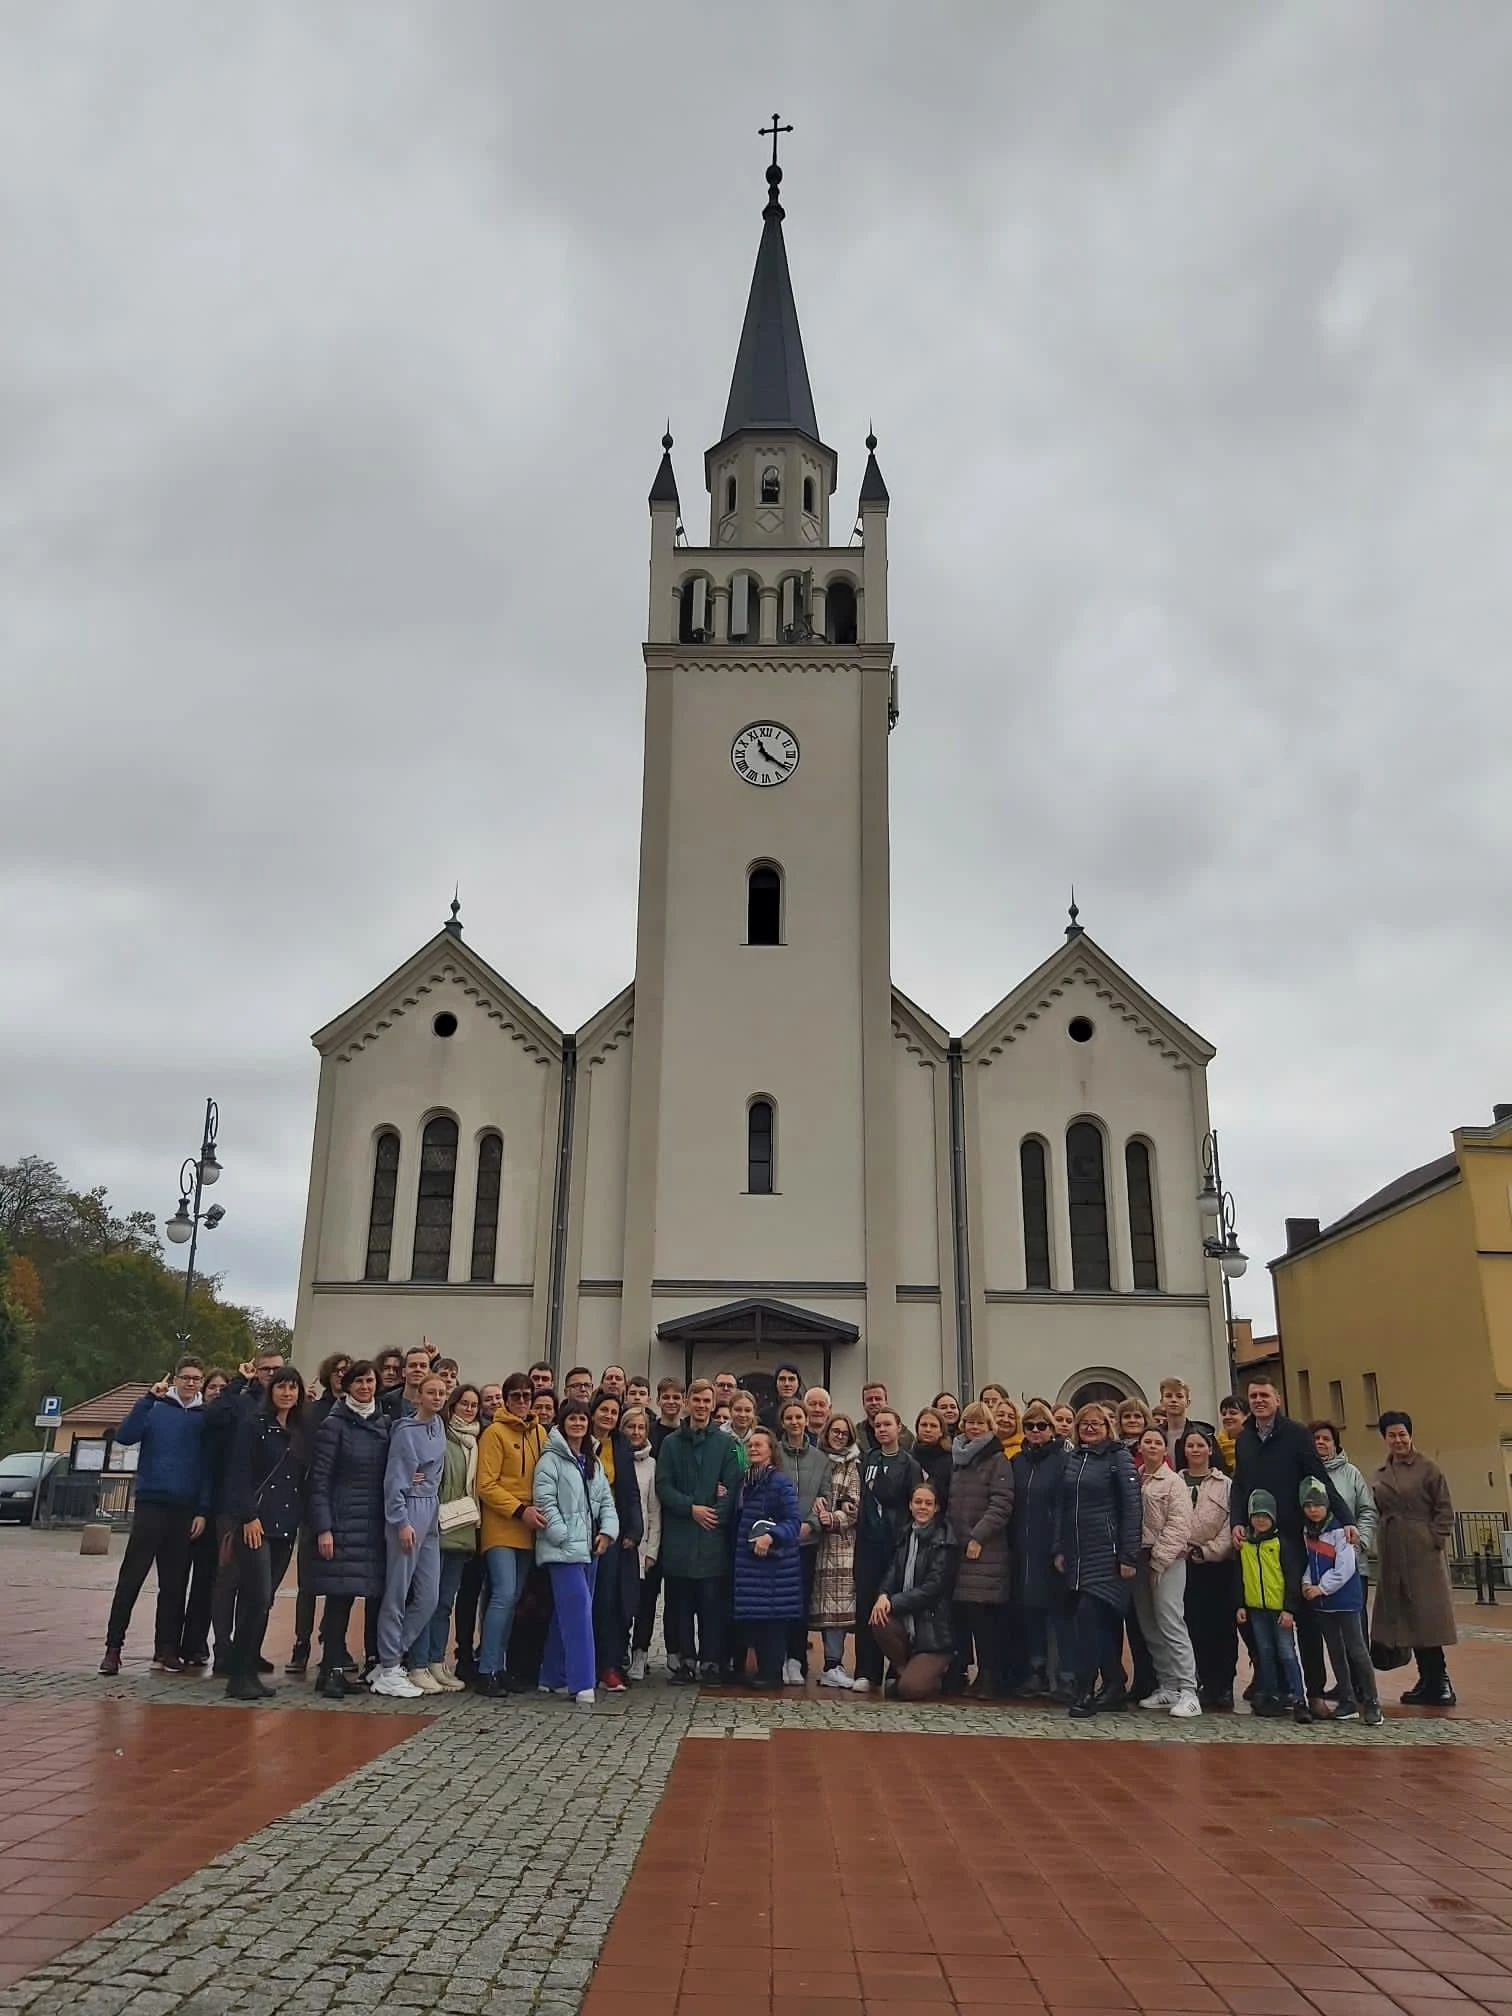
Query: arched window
[(380, 1241), (745, 609), (808, 495), (764, 905), (1087, 1197), (486, 1207), (840, 613), (1036, 1214), (731, 493), (760, 1163), (1142, 1243), (771, 485), (693, 619), (433, 1206), (1101, 1391)]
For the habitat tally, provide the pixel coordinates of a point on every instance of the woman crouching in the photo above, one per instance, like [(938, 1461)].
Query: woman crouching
[(910, 1619)]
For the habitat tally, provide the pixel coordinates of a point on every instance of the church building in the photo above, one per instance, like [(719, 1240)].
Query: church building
[(761, 1149)]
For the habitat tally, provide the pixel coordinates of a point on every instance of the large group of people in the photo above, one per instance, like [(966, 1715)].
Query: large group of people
[(509, 1536)]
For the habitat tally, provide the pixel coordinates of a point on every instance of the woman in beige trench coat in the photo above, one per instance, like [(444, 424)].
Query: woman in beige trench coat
[(1413, 1602)]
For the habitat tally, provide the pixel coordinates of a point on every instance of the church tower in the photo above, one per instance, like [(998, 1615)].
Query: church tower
[(761, 1150)]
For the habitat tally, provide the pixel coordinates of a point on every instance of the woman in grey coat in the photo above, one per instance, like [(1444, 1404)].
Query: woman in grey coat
[(980, 1510), (809, 1470)]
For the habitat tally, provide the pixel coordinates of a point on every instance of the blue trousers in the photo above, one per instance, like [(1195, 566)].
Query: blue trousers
[(506, 1569), (411, 1583), (1277, 1667), (429, 1649), (569, 1660)]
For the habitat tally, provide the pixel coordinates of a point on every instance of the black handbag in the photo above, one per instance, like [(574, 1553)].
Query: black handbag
[(1387, 1658)]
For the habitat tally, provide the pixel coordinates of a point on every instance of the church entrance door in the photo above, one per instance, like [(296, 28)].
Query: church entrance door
[(764, 1386)]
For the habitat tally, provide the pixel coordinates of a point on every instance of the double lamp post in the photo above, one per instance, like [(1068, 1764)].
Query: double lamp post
[(195, 1177), (1221, 1243)]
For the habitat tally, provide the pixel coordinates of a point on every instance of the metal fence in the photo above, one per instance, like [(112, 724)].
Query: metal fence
[(1479, 1533), (78, 1498)]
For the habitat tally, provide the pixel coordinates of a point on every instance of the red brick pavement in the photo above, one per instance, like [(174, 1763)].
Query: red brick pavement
[(830, 1873), (104, 1804)]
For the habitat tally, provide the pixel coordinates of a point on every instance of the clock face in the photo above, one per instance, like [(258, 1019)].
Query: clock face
[(765, 753)]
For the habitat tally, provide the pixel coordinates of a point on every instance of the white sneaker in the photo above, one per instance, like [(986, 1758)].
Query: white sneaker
[(1185, 1706), (585, 1699), (445, 1679), (395, 1681), (637, 1665), (423, 1680), (792, 1673), (861, 1686), (835, 1676), (1165, 1697)]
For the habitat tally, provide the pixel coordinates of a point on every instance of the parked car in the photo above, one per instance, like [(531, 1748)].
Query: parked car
[(18, 1481)]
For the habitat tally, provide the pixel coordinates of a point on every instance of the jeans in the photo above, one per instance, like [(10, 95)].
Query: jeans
[(695, 1619), (798, 1630), (257, 1572), (506, 1569), (569, 1643), (834, 1644), (1277, 1666), (1349, 1655), (159, 1534), (471, 1591), (1160, 1601), (429, 1649), (411, 1583), (1097, 1643)]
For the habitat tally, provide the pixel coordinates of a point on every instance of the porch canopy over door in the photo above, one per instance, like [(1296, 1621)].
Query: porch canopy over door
[(756, 1324)]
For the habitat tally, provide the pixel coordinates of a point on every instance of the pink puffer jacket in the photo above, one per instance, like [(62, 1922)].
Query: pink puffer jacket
[(1167, 1519), (1211, 1526)]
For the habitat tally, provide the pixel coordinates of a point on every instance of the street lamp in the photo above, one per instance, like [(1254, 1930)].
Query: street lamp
[(1221, 1243), (184, 1225)]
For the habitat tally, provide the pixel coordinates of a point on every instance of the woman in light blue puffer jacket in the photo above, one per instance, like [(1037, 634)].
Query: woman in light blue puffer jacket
[(572, 1493)]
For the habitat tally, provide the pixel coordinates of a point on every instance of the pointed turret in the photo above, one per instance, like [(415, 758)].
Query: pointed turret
[(873, 489), (664, 486), (770, 386)]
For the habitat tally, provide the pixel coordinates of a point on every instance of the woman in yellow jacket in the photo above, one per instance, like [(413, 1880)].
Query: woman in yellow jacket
[(507, 1454)]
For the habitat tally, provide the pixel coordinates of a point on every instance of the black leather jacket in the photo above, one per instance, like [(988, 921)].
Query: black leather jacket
[(928, 1601)]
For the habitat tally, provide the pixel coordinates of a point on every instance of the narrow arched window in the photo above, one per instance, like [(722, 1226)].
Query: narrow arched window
[(764, 906), (730, 494), (1142, 1243), (486, 1207), (693, 622), (745, 609), (840, 613), (771, 485), (380, 1239), (433, 1205), (1087, 1197), (1036, 1197), (760, 1167), (808, 495)]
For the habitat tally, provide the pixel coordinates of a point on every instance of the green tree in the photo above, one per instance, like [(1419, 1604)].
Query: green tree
[(15, 1361)]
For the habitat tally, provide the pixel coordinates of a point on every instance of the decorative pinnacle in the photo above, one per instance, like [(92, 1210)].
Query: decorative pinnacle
[(871, 439), (454, 925), (774, 173), (667, 437), (1073, 929)]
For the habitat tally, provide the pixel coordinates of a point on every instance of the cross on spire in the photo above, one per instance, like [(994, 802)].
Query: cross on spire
[(774, 129)]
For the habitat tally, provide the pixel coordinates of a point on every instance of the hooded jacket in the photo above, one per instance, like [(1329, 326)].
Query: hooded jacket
[(1270, 1565), (576, 1510), (1359, 1500), (171, 1468), (1332, 1567), (508, 1451), (697, 1466), (1037, 1473), (1165, 1506), (981, 1509)]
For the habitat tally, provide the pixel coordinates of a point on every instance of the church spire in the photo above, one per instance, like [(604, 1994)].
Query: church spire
[(770, 387)]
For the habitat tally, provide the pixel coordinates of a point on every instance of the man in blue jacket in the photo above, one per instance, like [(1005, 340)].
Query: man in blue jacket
[(169, 1424)]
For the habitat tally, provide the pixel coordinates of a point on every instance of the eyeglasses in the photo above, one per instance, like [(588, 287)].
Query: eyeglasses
[(1045, 1426)]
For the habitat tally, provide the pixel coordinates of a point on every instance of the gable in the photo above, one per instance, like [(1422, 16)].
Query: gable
[(606, 1031), (444, 963), (1081, 963), (918, 1032)]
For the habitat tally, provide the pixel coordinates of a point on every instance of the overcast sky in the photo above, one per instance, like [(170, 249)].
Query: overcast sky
[(335, 349)]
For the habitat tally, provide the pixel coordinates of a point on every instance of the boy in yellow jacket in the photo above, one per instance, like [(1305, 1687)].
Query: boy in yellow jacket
[(1271, 1573)]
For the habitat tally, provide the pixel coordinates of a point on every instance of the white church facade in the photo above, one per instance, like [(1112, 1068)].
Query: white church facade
[(761, 1149)]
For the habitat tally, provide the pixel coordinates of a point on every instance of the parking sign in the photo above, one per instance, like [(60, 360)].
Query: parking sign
[(50, 1411)]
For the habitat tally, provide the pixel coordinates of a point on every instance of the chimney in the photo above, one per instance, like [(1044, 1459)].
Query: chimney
[(1302, 1232), (1499, 1114)]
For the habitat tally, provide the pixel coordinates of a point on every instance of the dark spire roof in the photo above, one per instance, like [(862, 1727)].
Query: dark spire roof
[(873, 489), (664, 488), (770, 387)]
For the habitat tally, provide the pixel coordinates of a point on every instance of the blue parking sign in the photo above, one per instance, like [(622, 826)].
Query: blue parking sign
[(50, 1411)]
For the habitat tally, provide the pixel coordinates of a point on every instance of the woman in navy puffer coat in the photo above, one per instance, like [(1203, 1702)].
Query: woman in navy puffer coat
[(1098, 1521), (768, 1572), (344, 1512)]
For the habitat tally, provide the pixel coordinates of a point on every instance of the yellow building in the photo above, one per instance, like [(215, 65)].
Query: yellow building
[(1406, 1301)]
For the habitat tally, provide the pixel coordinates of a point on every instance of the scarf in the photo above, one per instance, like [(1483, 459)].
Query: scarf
[(1226, 1450), (466, 1432), (910, 1565), (363, 1409)]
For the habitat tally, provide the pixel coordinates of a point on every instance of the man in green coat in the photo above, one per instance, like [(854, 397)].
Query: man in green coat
[(697, 1481)]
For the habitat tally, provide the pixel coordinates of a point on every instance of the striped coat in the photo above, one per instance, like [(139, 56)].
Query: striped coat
[(834, 1599)]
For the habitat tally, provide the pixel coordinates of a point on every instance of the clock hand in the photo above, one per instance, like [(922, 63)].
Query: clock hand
[(768, 754)]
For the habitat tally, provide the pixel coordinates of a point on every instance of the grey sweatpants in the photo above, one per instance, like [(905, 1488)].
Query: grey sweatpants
[(1160, 1604), (411, 1585)]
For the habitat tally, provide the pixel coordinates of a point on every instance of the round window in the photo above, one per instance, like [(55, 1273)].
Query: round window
[(445, 1023), (1079, 1029)]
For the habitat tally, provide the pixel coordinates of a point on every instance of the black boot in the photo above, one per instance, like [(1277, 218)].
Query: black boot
[(1419, 1696), (1441, 1694), (246, 1687), (299, 1659), (1112, 1697), (331, 1684)]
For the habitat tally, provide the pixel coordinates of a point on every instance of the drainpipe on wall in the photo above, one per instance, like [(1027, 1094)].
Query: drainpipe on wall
[(561, 1203), (965, 1378)]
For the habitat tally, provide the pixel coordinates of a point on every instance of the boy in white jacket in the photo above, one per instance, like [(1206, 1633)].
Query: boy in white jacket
[(1160, 1583)]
